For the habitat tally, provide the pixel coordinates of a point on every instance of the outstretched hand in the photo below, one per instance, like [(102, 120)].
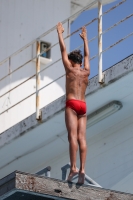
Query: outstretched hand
[(83, 34), (60, 28)]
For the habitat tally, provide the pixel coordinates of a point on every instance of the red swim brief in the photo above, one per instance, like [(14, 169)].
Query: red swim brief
[(77, 105)]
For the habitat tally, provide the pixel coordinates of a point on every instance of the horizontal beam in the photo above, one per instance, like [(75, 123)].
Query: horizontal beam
[(55, 43), (121, 40), (39, 188)]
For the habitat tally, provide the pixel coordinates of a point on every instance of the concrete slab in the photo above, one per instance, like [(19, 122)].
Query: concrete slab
[(24, 186)]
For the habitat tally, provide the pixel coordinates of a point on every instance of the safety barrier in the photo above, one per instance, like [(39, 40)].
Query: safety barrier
[(38, 53)]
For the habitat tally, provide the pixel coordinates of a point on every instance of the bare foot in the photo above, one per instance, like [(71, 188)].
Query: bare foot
[(81, 178), (72, 174)]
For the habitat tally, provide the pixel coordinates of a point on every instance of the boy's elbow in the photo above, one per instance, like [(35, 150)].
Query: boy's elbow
[(87, 68), (88, 72), (63, 49)]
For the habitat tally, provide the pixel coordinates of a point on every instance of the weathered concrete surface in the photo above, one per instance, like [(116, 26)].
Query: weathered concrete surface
[(111, 75), (28, 186)]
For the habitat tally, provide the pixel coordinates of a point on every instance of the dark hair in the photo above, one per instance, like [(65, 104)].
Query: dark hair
[(76, 56)]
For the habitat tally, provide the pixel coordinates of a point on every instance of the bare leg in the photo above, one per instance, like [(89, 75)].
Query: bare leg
[(71, 124), (82, 146)]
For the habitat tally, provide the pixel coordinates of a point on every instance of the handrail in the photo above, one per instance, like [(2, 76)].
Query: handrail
[(48, 49), (131, 34), (87, 178), (78, 47), (50, 30), (54, 44), (74, 49), (108, 29)]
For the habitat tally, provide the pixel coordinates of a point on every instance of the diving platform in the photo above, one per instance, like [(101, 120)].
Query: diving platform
[(24, 186)]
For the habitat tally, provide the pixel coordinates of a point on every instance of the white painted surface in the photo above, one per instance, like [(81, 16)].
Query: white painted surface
[(25, 21)]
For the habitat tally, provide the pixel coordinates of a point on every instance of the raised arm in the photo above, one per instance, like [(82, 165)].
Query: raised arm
[(60, 31), (83, 35)]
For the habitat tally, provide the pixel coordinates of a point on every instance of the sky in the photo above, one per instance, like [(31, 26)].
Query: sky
[(121, 50)]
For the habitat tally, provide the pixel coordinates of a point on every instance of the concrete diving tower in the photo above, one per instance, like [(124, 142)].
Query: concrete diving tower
[(24, 186)]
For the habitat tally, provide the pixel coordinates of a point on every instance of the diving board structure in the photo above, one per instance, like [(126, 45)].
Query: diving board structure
[(29, 143), (24, 186)]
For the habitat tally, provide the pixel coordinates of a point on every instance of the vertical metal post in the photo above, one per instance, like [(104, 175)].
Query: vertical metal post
[(100, 79), (10, 76), (38, 114), (68, 27), (64, 171), (48, 174), (45, 171), (9, 65)]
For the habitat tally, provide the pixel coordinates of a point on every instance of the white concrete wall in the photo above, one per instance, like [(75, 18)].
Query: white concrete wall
[(21, 22)]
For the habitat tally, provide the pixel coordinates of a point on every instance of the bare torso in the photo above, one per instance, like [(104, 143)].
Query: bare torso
[(76, 83)]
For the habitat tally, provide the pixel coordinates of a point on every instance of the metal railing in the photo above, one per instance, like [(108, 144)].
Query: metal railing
[(38, 53), (46, 33), (45, 172), (89, 180)]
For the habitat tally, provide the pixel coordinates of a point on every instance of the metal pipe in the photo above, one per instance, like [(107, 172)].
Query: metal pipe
[(87, 25), (9, 65), (38, 116), (57, 43), (118, 42), (50, 30), (40, 70), (68, 36), (64, 74), (68, 27), (45, 171), (112, 8), (49, 48), (87, 178), (116, 24), (108, 29), (100, 78), (53, 28), (10, 79), (74, 49), (60, 59), (105, 31)]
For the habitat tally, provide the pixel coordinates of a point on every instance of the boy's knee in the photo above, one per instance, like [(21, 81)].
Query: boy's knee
[(72, 137), (81, 138)]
